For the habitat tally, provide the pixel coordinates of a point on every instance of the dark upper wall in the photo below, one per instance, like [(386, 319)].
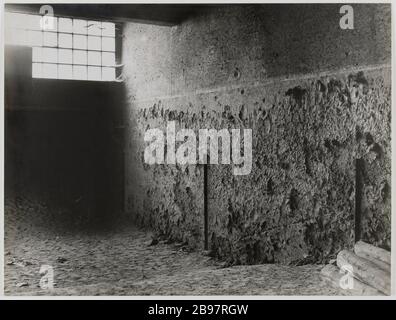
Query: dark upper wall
[(259, 42), (310, 92)]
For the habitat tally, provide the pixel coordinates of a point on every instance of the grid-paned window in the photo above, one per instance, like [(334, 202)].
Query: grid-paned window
[(74, 49)]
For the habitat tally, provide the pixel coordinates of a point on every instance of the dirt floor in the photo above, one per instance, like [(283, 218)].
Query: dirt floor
[(125, 261)]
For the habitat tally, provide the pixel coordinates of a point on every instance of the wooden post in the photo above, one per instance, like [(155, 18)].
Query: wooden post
[(206, 224), (358, 198)]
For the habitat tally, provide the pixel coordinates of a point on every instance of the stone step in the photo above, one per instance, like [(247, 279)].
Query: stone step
[(377, 255), (333, 275), (365, 271)]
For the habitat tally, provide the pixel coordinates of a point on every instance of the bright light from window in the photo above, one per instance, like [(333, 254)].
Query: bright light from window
[(74, 49)]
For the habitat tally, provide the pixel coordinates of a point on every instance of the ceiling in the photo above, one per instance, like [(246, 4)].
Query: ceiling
[(163, 14)]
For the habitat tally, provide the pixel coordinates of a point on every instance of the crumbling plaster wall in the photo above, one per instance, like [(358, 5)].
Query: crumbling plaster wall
[(316, 97)]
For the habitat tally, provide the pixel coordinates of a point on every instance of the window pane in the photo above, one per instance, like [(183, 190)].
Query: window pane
[(108, 74), (80, 72), (50, 71), (65, 40), (65, 71), (17, 37), (79, 42), (50, 55), (108, 29), (79, 57), (35, 38), (94, 73), (49, 23), (86, 48), (94, 28), (79, 26), (94, 58), (37, 54), (94, 43), (36, 70), (31, 22), (108, 44), (12, 20), (65, 56), (65, 25), (50, 39), (108, 59)]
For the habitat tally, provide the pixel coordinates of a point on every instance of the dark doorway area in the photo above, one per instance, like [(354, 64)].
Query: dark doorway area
[(64, 142)]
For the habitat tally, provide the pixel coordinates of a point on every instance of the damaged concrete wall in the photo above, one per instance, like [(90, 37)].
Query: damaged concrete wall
[(317, 99)]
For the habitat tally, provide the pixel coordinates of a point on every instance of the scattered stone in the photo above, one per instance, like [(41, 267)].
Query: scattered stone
[(179, 244), (61, 260), (130, 262), (154, 242), (223, 265), (22, 284), (208, 253), (19, 264)]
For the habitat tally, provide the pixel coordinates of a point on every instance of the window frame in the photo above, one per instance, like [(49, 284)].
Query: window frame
[(64, 54)]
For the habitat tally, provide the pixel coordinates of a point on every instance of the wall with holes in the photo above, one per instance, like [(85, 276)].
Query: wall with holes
[(317, 99)]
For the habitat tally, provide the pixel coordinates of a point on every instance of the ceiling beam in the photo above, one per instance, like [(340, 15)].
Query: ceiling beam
[(162, 14)]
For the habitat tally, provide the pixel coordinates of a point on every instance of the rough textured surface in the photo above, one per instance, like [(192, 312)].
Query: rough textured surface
[(261, 280), (316, 97), (123, 261)]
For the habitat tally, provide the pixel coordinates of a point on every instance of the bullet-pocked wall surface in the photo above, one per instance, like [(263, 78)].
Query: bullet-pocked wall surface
[(317, 99)]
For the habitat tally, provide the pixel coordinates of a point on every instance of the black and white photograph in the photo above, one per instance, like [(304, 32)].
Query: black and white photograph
[(197, 150)]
